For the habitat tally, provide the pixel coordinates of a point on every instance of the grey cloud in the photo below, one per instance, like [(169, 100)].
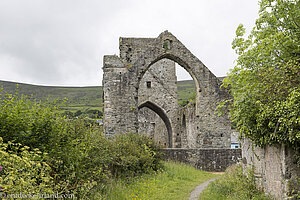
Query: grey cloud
[(62, 42)]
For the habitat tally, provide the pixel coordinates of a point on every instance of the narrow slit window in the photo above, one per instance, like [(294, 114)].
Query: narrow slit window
[(148, 83)]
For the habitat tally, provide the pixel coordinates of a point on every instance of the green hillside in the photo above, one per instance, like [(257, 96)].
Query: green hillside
[(186, 91), (78, 98), (81, 98)]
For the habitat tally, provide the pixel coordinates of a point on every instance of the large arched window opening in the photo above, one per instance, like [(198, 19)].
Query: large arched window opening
[(168, 70), (160, 84), (186, 88)]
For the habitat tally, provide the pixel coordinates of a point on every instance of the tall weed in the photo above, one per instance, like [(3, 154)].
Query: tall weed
[(234, 185)]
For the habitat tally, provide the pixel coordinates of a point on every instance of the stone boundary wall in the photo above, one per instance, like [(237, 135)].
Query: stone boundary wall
[(275, 168), (208, 159)]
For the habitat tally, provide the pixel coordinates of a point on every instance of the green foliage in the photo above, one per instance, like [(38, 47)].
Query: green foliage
[(234, 185), (77, 113), (166, 45), (24, 170), (29, 122), (265, 82), (94, 113), (134, 154), (191, 99), (79, 157), (67, 142), (293, 188)]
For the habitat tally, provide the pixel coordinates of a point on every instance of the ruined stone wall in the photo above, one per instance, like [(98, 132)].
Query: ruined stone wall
[(132, 48), (275, 168), (202, 131), (125, 94), (216, 160), (118, 101)]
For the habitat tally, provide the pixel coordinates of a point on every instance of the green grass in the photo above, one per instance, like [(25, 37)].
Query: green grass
[(234, 185), (176, 181)]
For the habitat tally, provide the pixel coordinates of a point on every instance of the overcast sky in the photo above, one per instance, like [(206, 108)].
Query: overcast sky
[(62, 42)]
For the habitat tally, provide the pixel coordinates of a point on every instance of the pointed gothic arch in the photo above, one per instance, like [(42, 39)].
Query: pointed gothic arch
[(161, 113)]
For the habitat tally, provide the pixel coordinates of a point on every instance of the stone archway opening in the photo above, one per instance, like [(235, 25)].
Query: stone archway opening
[(169, 83), (167, 142)]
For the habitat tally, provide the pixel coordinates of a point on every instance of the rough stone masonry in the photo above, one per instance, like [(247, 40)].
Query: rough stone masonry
[(140, 95)]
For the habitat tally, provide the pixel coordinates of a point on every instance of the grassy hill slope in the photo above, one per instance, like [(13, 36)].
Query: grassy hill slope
[(186, 91), (80, 98)]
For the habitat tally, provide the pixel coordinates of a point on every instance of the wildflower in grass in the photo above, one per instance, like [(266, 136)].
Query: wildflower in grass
[(0, 168)]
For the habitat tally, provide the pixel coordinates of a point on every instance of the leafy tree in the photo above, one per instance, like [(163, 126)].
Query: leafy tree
[(265, 81), (68, 114), (77, 113), (94, 113)]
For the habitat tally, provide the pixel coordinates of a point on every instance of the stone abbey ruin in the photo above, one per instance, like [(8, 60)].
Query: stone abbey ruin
[(141, 85), (140, 95)]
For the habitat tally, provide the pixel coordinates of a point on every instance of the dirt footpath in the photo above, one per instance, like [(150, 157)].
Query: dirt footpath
[(198, 189)]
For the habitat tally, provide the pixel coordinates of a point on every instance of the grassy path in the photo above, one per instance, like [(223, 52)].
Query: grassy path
[(176, 182)]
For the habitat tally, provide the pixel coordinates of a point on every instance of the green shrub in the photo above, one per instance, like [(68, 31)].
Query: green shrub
[(134, 154), (67, 142), (234, 185), (32, 123), (92, 157), (79, 157), (24, 170)]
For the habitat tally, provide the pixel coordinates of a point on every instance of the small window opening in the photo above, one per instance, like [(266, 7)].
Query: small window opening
[(148, 84), (183, 121)]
